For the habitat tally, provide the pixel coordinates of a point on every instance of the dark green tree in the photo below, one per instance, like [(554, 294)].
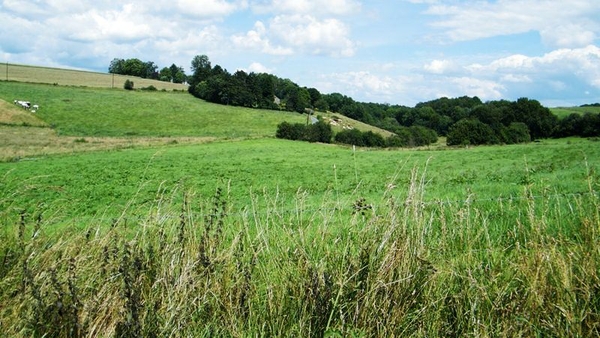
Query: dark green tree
[(165, 74), (116, 66), (470, 132), (128, 85), (319, 132), (540, 121), (350, 136)]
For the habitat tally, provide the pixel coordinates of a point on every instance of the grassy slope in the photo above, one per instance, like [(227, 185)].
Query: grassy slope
[(563, 112), (69, 77), (79, 111)]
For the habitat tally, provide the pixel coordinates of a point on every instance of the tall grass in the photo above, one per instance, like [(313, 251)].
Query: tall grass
[(527, 266)]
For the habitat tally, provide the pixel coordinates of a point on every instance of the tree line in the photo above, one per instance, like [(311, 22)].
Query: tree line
[(147, 70), (463, 120)]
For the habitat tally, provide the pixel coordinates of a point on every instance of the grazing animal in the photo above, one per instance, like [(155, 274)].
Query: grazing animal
[(35, 106)]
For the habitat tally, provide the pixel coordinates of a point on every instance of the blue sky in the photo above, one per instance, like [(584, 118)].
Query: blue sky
[(394, 51)]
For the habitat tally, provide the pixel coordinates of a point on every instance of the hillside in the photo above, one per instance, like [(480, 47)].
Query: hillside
[(563, 112), (87, 117), (70, 77)]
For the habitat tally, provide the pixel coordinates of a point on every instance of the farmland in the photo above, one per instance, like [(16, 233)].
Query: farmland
[(141, 214), (78, 78)]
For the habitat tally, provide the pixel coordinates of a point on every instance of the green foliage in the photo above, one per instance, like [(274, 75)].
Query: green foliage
[(350, 136), (517, 133), (128, 85), (405, 137), (291, 131), (150, 88), (133, 67), (575, 124), (316, 132), (471, 132)]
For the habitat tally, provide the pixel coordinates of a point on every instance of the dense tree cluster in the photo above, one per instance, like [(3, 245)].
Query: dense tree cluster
[(405, 137), (148, 70), (463, 120), (586, 125), (316, 132), (262, 90)]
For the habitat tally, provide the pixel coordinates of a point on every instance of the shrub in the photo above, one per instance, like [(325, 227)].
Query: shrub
[(128, 85), (351, 136), (518, 132), (290, 131), (318, 132), (372, 139), (470, 131)]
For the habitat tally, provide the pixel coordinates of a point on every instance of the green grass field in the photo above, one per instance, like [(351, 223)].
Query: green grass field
[(563, 112), (97, 183), (111, 228), (111, 112)]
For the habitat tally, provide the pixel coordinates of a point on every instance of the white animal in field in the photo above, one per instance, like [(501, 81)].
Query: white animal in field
[(23, 104), (35, 107)]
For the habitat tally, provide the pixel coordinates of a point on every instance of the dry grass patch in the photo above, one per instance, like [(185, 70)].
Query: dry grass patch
[(19, 142), (70, 77), (13, 115)]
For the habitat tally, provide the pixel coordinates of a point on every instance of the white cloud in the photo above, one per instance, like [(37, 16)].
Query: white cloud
[(439, 66), (486, 89), (115, 25), (298, 33), (584, 63), (560, 23), (256, 67), (516, 78), (210, 8), (312, 7), (308, 34), (257, 39)]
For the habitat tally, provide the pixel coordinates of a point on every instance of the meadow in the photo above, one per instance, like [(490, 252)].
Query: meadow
[(563, 112), (239, 234)]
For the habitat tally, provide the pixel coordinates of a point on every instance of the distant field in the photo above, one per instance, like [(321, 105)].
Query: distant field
[(563, 112), (78, 111), (68, 77)]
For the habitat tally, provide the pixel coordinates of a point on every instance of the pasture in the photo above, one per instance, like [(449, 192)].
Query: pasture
[(111, 228), (102, 184), (563, 112), (78, 78)]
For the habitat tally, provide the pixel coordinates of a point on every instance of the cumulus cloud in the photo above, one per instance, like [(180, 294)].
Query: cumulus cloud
[(560, 23), (116, 25), (210, 8), (257, 67), (439, 66), (312, 7), (308, 34), (298, 33), (584, 63)]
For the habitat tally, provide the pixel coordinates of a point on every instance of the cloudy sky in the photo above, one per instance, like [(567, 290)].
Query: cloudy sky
[(388, 51)]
